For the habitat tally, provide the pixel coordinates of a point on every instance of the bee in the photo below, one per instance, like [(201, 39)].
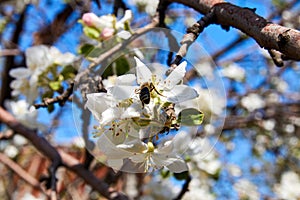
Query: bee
[(145, 92), (171, 119)]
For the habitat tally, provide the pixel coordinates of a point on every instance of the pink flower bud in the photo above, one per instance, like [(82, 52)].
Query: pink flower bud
[(107, 33), (89, 19)]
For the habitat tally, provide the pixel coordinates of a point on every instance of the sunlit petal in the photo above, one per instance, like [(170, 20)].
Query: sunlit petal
[(180, 93), (107, 147), (121, 92), (126, 79), (175, 77), (20, 73), (143, 73), (97, 103)]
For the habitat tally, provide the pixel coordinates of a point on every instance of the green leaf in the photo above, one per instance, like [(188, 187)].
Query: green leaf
[(119, 67), (68, 72), (165, 173), (182, 175), (190, 117), (50, 108), (91, 32), (48, 94), (86, 49), (55, 85)]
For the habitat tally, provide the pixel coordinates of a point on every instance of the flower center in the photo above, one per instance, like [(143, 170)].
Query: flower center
[(150, 147)]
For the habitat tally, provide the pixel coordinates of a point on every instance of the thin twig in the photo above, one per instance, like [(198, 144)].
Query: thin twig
[(9, 52), (61, 99), (60, 156), (191, 35), (21, 172), (267, 34), (116, 48), (185, 188)]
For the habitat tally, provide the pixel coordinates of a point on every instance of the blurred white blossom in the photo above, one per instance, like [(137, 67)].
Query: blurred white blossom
[(25, 114), (38, 60), (19, 140), (107, 25), (78, 142), (234, 170), (288, 188), (246, 190), (269, 124), (162, 189), (11, 151), (198, 190), (234, 72), (252, 102), (148, 6)]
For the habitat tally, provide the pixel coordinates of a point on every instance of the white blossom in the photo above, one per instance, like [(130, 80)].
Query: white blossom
[(246, 190), (162, 189), (126, 121), (252, 102), (198, 190), (11, 151), (38, 60), (234, 72), (234, 170), (269, 124), (78, 142), (25, 114), (19, 140), (144, 156), (148, 6), (108, 24), (288, 189)]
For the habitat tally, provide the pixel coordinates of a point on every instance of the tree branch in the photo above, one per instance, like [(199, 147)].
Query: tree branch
[(59, 156), (59, 99), (116, 49), (268, 35), (21, 172)]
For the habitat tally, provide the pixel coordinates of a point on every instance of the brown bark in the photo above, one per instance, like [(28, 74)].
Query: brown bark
[(268, 35), (49, 151)]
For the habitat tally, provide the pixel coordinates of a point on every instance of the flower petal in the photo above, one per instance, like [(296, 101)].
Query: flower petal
[(121, 92), (126, 79), (180, 93), (97, 103), (134, 110), (107, 147), (20, 73), (138, 158), (167, 148), (175, 77), (124, 34), (110, 115), (116, 164), (177, 166), (143, 73), (135, 146)]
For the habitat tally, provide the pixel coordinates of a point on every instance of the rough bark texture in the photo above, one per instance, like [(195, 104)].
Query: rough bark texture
[(268, 35)]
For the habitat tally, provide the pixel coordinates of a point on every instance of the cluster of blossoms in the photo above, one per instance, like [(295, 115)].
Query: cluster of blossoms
[(39, 60), (148, 6), (135, 111), (106, 26)]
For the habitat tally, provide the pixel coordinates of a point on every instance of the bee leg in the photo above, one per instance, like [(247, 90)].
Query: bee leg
[(153, 88), (137, 91)]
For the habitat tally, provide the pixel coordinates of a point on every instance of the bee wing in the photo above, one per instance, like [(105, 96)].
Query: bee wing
[(143, 73), (180, 93), (175, 77)]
